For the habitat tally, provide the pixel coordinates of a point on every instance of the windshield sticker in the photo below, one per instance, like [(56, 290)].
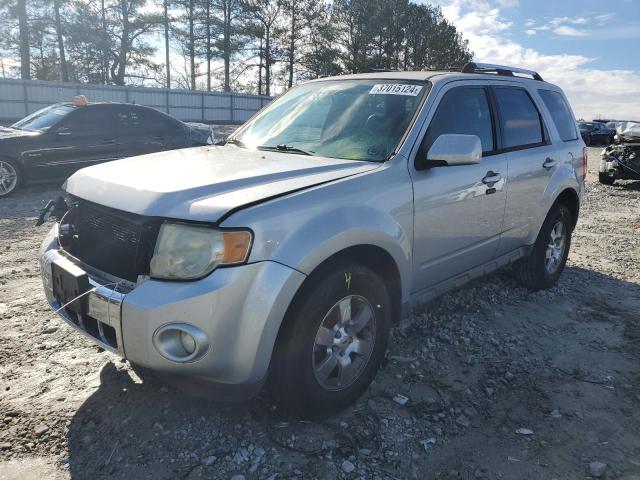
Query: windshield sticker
[(395, 89)]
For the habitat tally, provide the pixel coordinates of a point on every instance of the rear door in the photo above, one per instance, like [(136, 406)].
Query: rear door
[(533, 157), (143, 130), (457, 214)]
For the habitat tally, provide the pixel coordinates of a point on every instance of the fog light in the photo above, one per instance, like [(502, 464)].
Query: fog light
[(180, 342), (188, 342)]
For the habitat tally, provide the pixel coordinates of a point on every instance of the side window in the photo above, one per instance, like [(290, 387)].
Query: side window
[(462, 110), (88, 121), (521, 121), (154, 122), (560, 113), (128, 121)]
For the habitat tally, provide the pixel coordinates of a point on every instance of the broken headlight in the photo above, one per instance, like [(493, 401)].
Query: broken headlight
[(189, 252)]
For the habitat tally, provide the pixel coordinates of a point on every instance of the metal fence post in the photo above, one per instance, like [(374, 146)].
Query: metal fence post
[(26, 99), (232, 115), (202, 105), (168, 97)]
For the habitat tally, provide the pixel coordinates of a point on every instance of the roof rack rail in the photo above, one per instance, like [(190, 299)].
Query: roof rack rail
[(473, 67), (382, 70)]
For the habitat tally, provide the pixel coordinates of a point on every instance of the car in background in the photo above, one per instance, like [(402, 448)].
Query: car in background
[(54, 142), (594, 133)]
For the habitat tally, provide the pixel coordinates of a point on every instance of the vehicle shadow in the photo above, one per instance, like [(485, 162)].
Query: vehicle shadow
[(633, 186), (168, 431), (136, 427)]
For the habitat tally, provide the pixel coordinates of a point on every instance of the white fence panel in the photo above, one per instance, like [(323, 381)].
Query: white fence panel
[(20, 97)]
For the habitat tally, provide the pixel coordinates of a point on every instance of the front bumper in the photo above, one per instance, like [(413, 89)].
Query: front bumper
[(240, 309)]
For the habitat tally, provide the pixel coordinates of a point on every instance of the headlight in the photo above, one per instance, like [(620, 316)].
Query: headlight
[(187, 252)]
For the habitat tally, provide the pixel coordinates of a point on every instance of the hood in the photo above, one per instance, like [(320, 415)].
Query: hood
[(8, 132), (204, 183)]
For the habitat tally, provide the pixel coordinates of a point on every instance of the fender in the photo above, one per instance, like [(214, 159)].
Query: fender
[(564, 178), (304, 229)]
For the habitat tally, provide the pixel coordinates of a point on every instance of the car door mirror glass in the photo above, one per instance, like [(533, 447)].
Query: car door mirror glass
[(454, 149)]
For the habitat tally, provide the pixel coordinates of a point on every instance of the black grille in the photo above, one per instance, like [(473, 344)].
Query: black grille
[(113, 241)]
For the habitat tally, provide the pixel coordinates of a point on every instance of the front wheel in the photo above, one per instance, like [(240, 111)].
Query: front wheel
[(332, 341), (544, 265), (10, 177)]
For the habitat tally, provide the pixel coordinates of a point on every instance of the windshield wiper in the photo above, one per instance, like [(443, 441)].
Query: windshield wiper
[(284, 148)]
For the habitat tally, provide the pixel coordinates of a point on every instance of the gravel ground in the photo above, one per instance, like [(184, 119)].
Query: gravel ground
[(499, 383)]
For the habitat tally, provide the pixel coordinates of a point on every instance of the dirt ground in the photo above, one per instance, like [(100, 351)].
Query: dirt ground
[(501, 383)]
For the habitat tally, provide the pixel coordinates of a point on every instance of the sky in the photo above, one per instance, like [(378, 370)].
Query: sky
[(590, 48)]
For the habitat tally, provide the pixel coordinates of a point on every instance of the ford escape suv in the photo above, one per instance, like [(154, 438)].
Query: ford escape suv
[(285, 255)]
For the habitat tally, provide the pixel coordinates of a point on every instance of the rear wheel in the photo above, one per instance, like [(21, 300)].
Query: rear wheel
[(332, 341), (10, 177), (544, 265), (605, 179)]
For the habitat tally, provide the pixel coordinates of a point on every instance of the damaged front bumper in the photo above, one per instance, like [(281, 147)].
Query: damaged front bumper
[(102, 322), (237, 310)]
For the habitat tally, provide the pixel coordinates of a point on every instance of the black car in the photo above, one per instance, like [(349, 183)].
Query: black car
[(594, 133), (54, 142)]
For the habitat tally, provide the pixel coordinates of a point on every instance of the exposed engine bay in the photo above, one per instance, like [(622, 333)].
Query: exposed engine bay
[(620, 161)]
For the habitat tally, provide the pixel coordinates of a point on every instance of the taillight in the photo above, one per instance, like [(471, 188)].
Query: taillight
[(585, 162)]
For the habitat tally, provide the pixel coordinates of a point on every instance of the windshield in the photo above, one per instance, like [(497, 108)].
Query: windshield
[(43, 119), (350, 119)]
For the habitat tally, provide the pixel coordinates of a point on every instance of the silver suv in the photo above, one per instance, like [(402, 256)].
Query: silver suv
[(285, 255)]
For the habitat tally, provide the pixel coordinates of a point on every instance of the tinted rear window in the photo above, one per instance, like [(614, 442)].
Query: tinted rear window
[(521, 124), (560, 113)]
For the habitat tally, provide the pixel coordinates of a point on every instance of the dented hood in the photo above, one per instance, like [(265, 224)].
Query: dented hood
[(204, 183)]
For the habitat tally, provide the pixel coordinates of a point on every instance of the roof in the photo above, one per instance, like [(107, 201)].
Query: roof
[(437, 75)]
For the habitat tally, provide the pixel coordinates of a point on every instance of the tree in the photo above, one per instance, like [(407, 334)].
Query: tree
[(229, 12), (165, 22), (25, 54), (255, 45), (319, 55), (64, 71), (127, 27), (265, 14)]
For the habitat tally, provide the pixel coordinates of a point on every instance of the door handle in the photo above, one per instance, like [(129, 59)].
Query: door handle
[(549, 163), (109, 141), (491, 177)]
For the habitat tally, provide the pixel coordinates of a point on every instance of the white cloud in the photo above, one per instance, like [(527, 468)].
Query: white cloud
[(567, 31), (591, 91), (530, 32)]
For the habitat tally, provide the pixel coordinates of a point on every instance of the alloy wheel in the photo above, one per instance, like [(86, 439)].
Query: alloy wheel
[(555, 248), (8, 178), (344, 343)]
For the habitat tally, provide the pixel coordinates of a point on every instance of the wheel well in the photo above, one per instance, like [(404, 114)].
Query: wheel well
[(378, 260), (569, 198)]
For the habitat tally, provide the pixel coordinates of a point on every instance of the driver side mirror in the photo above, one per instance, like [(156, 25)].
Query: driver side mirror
[(454, 149)]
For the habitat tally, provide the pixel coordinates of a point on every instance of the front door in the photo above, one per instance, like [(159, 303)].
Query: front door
[(459, 210), (85, 137)]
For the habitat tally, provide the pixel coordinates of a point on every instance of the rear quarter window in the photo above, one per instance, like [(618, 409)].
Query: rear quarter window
[(560, 114)]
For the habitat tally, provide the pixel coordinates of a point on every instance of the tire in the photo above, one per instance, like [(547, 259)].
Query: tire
[(605, 179), (533, 271), (302, 379), (10, 177)]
